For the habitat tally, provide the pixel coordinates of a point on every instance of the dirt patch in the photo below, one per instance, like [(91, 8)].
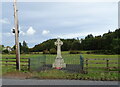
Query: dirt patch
[(17, 75)]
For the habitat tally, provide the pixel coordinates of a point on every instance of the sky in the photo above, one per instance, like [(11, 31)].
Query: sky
[(40, 21)]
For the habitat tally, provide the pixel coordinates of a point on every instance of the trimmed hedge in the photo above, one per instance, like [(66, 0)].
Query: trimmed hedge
[(74, 52)]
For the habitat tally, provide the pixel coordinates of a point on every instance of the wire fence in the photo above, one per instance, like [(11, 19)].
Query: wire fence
[(73, 63)]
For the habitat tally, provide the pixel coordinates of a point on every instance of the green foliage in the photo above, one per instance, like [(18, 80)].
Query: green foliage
[(89, 36), (108, 43), (74, 52), (46, 52), (5, 51), (108, 52), (1, 47), (75, 45), (52, 74), (116, 46), (24, 48), (53, 51), (49, 44), (13, 52)]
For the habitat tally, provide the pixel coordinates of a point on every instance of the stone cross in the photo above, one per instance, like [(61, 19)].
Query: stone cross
[(59, 43), (59, 62)]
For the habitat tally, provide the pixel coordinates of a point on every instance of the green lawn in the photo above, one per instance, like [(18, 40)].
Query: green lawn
[(70, 58)]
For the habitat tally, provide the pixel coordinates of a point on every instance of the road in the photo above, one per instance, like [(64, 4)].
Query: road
[(55, 82)]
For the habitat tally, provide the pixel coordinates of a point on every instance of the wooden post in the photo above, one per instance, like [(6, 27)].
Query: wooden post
[(82, 63), (6, 61), (86, 65), (28, 64), (16, 37), (107, 64)]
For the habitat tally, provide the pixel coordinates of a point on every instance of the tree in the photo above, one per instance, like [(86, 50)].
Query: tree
[(89, 36), (65, 46), (1, 47), (20, 47), (108, 38), (24, 44), (53, 51), (5, 51), (115, 46), (25, 48), (107, 42), (75, 45), (14, 48)]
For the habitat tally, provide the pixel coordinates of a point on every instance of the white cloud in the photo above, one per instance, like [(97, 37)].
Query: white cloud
[(4, 21), (8, 34), (22, 33), (75, 35), (45, 32), (30, 31)]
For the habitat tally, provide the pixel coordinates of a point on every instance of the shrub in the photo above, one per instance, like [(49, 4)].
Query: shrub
[(13, 52), (46, 52), (88, 52), (74, 52), (107, 52), (5, 51), (53, 51)]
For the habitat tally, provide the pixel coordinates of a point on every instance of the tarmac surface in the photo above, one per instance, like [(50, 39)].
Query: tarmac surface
[(55, 82)]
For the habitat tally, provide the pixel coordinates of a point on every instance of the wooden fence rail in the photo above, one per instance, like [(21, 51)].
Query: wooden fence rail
[(12, 62), (105, 61)]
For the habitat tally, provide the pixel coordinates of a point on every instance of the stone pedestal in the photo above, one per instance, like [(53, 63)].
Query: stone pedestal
[(59, 62)]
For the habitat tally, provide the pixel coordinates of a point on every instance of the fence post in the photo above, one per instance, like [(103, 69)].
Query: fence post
[(28, 64), (86, 65), (107, 64), (6, 61), (82, 63)]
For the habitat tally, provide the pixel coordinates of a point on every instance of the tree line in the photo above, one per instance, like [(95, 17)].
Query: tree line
[(108, 43), (23, 49)]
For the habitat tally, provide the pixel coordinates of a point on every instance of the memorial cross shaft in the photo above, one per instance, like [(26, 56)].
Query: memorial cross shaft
[(59, 43), (59, 62)]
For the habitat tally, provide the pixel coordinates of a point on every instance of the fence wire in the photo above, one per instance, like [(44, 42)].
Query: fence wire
[(37, 62), (74, 63), (45, 62)]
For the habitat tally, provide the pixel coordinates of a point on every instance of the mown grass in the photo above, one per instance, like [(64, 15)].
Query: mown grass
[(70, 59), (84, 55)]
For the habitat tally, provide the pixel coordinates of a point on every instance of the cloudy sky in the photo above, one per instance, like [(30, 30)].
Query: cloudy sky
[(39, 21)]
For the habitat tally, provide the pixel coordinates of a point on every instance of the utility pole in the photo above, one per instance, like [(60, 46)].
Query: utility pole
[(16, 31)]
